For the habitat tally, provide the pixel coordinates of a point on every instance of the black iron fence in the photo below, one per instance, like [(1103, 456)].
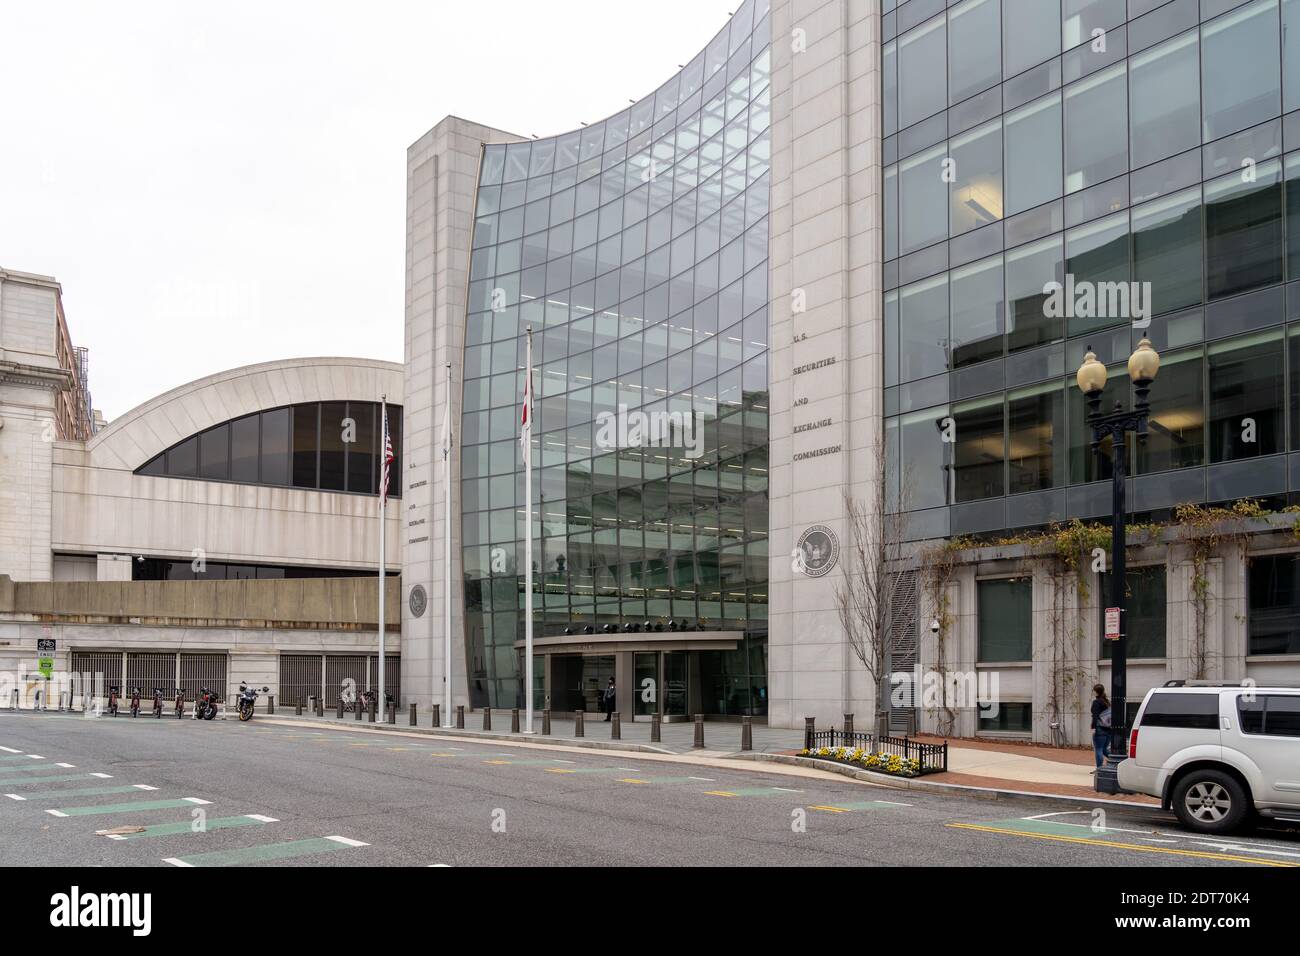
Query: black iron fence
[(933, 758)]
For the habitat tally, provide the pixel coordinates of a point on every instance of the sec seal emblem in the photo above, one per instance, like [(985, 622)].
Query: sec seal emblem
[(819, 549), (419, 600)]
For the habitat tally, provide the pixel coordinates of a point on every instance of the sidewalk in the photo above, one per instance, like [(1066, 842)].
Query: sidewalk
[(988, 766)]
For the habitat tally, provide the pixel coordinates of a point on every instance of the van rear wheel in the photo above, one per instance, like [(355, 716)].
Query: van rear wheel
[(1210, 801)]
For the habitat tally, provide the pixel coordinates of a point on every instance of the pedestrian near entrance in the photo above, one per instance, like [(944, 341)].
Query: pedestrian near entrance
[(607, 701), (1100, 723)]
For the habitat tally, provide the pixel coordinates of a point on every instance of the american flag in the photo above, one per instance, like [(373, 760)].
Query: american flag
[(388, 460), (525, 426)]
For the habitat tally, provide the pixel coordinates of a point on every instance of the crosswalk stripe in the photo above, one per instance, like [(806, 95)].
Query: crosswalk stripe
[(187, 826), (124, 807), (10, 750), (85, 792)]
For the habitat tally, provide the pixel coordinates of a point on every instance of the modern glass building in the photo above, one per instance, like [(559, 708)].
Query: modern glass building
[(636, 249), (1031, 141)]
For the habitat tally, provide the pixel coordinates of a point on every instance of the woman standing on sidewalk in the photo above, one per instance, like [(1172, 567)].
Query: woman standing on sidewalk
[(1100, 723)]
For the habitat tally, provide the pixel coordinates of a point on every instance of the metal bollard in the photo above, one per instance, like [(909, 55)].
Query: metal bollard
[(809, 728), (460, 716), (656, 727), (514, 720), (746, 733), (487, 718), (320, 707), (360, 706), (546, 722), (392, 713), (699, 731), (616, 727), (14, 700), (414, 723), (374, 707), (578, 730), (437, 715), (340, 708), (297, 710), (848, 725), (270, 703)]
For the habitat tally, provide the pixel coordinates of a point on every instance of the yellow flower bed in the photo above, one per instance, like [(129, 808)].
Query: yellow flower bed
[(880, 762)]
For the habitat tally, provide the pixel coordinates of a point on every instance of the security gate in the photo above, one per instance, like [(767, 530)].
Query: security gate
[(203, 670), (300, 677), (392, 676), (95, 672), (344, 671), (147, 671)]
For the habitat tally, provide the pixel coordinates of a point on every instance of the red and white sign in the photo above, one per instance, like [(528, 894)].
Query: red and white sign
[(1112, 624)]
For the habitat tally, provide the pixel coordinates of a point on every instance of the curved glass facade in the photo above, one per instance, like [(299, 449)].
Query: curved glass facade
[(636, 250)]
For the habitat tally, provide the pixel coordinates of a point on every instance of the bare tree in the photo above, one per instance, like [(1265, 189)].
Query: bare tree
[(874, 571)]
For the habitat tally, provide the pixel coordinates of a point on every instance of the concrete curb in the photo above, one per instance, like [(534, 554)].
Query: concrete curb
[(925, 786), (479, 735)]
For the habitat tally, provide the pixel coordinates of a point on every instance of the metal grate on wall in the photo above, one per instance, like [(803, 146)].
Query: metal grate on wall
[(96, 671), (300, 678), (203, 670), (344, 671), (147, 671), (903, 651)]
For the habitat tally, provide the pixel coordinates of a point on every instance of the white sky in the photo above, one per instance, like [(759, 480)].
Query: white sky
[(221, 184)]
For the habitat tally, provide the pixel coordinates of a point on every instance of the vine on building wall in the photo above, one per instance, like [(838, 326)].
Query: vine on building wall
[(940, 564)]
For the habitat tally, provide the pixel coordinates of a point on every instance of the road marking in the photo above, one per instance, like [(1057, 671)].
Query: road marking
[(103, 776), (55, 778), (10, 750), (85, 792), (31, 768), (443, 755), (1121, 846), (271, 851), (187, 826), (14, 796), (849, 807), (752, 792), (21, 756), (124, 807), (704, 779), (719, 793), (65, 766), (630, 780)]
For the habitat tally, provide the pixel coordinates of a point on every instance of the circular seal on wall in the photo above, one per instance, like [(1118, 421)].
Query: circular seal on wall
[(819, 549), (419, 600)]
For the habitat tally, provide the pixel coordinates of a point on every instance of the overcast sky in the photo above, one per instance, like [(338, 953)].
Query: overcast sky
[(221, 184)]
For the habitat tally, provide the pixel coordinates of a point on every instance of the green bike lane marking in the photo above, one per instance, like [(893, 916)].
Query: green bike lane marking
[(87, 792), (56, 778), (187, 826), (37, 768), (127, 807), (266, 853)]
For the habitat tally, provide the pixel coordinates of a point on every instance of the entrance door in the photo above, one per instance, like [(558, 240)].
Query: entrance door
[(580, 681), (645, 683), (674, 682)]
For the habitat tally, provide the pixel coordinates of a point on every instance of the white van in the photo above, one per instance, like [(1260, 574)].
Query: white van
[(1217, 754)]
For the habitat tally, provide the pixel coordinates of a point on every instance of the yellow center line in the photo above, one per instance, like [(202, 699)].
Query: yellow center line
[(719, 793), (1122, 846), (629, 780), (832, 809), (441, 755), (558, 770), (498, 763)]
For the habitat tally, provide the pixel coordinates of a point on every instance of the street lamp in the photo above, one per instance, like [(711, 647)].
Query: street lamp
[(1143, 365)]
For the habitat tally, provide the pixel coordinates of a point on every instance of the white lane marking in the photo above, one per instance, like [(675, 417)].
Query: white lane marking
[(439, 864), (705, 779), (1056, 813), (14, 796), (782, 789), (66, 766), (202, 803), (261, 819), (56, 813), (115, 836), (143, 786), (894, 803), (103, 776), (36, 756), (346, 842), (175, 861), (10, 750), (1245, 847), (1150, 840)]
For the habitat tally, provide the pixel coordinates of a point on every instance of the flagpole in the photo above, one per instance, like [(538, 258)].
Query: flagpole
[(383, 502), (446, 557), (528, 544)]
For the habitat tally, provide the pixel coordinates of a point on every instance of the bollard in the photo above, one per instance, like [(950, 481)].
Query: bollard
[(656, 727), (514, 721), (414, 723), (270, 704), (359, 706), (392, 713), (487, 718), (437, 715), (460, 716), (320, 707), (746, 733), (578, 730), (313, 705), (699, 732), (809, 728), (297, 710), (374, 707), (848, 726), (340, 708), (14, 700), (616, 727), (546, 723)]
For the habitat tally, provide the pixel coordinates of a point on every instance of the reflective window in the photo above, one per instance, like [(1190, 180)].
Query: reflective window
[(1247, 396), (1165, 99), (1240, 69), (925, 459), (1097, 257), (1167, 250), (977, 312), (1033, 154), (1030, 33), (1274, 612), (975, 193), (1144, 612), (1006, 615), (923, 329), (1176, 436), (979, 450), (1028, 271), (923, 200), (1096, 128), (1243, 231), (974, 48), (922, 73), (1036, 438)]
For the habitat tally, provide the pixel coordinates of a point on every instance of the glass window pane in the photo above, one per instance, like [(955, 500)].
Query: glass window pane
[(975, 50), (889, 70), (977, 312), (924, 471), (275, 447), (1176, 436), (923, 204), (1165, 99), (922, 72), (1241, 69), (1006, 614), (923, 329), (1097, 258), (1291, 53), (1243, 232), (183, 460), (976, 190), (1144, 612), (1029, 269), (1293, 215), (1033, 154), (214, 453), (1275, 604), (1167, 250), (305, 445), (334, 427), (980, 449), (1036, 438), (361, 450), (1031, 33), (1247, 404), (243, 448), (1096, 128)]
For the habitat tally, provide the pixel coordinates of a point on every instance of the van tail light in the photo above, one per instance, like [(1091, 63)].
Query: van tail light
[(1133, 745)]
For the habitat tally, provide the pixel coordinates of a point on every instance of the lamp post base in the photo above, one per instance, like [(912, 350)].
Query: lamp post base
[(1107, 778)]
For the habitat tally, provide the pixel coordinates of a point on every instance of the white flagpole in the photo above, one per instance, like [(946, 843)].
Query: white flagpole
[(446, 557), (528, 547), (383, 502)]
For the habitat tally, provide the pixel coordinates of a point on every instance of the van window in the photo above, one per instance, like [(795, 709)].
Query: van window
[(1188, 711), (1282, 716), (1251, 715)]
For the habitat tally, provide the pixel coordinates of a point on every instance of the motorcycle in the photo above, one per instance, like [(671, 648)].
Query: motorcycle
[(157, 703), (135, 702), (112, 701), (205, 705), (248, 700)]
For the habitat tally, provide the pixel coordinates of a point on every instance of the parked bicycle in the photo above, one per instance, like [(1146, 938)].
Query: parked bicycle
[(157, 703), (180, 704), (112, 701), (135, 702)]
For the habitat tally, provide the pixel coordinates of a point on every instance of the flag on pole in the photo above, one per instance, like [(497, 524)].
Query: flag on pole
[(446, 430), (526, 426), (388, 459)]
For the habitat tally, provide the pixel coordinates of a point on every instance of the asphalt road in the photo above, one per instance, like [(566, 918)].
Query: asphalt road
[(224, 793)]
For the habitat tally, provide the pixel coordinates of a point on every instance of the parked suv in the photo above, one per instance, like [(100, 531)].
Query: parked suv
[(1217, 754)]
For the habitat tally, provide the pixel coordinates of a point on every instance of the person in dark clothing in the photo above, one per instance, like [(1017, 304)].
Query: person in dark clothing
[(1100, 723), (607, 701)]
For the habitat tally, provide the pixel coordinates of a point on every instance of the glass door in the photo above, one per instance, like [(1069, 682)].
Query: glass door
[(645, 683), (674, 683)]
